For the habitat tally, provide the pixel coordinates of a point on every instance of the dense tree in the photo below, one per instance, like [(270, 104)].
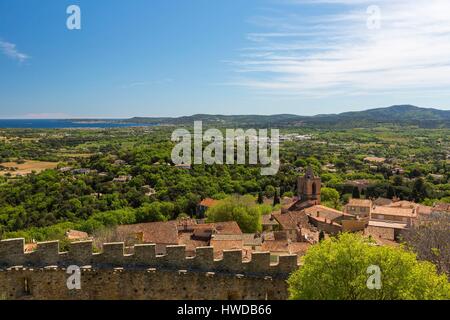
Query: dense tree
[(276, 198), (390, 194), (419, 191), (355, 193), (330, 197), (260, 198), (243, 210), (341, 269), (53, 197)]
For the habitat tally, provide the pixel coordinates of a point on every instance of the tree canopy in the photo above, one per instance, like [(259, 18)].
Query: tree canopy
[(337, 269), (241, 209)]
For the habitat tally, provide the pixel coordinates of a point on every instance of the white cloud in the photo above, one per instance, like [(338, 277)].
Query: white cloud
[(336, 53), (10, 50)]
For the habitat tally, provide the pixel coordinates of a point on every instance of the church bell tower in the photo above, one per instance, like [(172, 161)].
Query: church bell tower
[(309, 187)]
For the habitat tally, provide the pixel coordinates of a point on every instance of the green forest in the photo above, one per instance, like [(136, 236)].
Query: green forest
[(42, 205)]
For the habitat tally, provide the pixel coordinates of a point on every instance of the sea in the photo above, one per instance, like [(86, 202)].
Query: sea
[(66, 124)]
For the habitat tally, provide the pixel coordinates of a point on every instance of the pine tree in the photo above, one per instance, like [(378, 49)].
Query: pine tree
[(390, 192), (355, 193), (321, 236), (276, 198), (260, 198)]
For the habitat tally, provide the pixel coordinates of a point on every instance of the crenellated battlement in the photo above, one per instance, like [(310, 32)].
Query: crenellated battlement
[(144, 257)]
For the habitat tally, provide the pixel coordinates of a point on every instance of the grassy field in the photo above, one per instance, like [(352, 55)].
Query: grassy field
[(16, 169)]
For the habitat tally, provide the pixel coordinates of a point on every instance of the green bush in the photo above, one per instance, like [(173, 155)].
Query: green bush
[(337, 269)]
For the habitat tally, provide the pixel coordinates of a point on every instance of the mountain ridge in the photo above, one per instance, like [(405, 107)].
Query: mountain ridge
[(397, 114)]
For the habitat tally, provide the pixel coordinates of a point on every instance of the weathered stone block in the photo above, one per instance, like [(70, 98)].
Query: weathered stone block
[(260, 262), (46, 254), (204, 258), (144, 254), (12, 252), (231, 261), (80, 253)]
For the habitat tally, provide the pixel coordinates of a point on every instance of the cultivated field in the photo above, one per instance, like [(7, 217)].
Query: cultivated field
[(16, 169)]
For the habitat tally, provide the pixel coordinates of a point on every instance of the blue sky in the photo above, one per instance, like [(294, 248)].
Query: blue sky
[(181, 57)]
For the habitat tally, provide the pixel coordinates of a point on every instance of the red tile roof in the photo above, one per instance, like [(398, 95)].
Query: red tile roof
[(228, 227), (299, 248), (208, 202), (221, 245), (268, 219), (324, 220), (323, 212), (291, 220), (153, 232), (442, 207), (275, 246), (420, 209), (394, 211), (191, 244), (285, 246), (76, 235), (30, 247)]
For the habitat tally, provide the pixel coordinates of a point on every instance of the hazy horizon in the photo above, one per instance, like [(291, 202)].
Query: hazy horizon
[(210, 114)]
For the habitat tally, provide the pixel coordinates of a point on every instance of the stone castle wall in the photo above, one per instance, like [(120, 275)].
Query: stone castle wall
[(112, 274)]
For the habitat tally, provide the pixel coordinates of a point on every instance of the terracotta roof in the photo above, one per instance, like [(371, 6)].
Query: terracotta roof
[(221, 245), (286, 221), (208, 202), (421, 209), (76, 235), (324, 220), (299, 248), (228, 227), (290, 220), (310, 235), (285, 246), (323, 212), (186, 222), (251, 239), (442, 207), (268, 220), (268, 236), (153, 232), (360, 202), (227, 237), (30, 247), (191, 244), (382, 201), (275, 246), (382, 224), (394, 211), (403, 204), (300, 205)]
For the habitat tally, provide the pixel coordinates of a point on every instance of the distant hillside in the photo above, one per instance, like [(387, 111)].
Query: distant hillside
[(247, 120), (402, 115)]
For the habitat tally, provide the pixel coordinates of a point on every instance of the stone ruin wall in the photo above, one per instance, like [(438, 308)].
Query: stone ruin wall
[(114, 275)]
